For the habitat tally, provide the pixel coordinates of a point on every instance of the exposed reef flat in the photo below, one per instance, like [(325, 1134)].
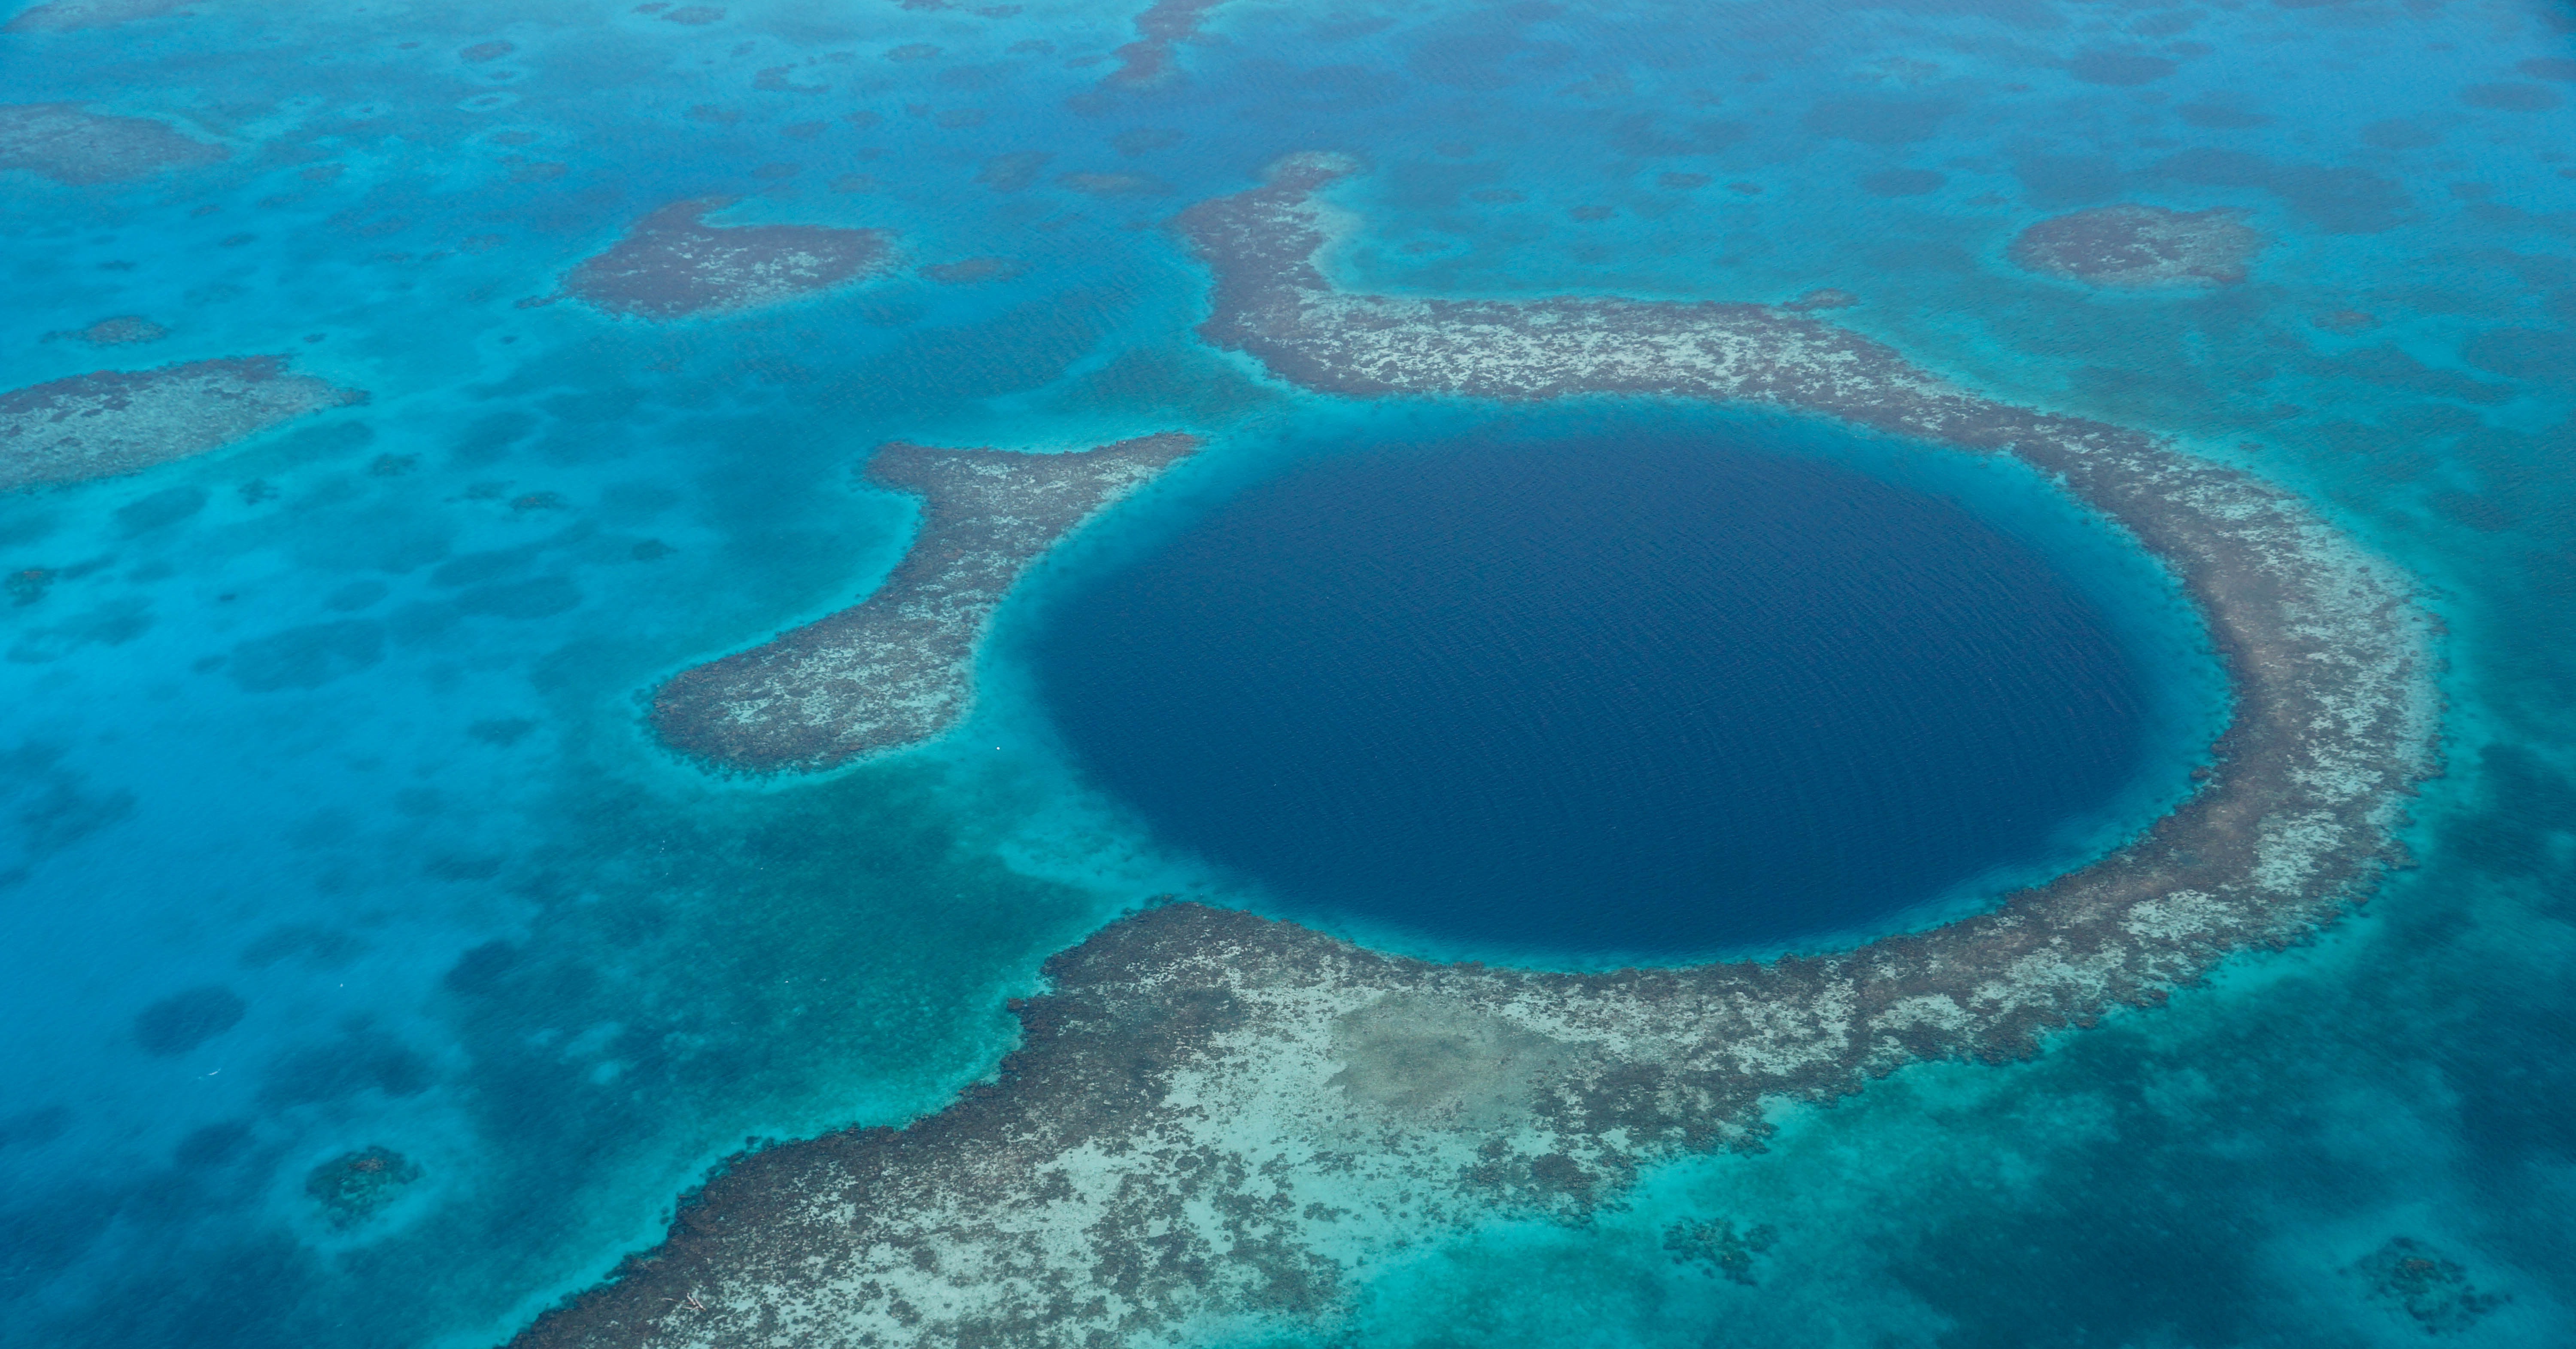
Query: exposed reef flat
[(896, 668), (68, 145), (2141, 247), (1216, 1119), (674, 265), (119, 421)]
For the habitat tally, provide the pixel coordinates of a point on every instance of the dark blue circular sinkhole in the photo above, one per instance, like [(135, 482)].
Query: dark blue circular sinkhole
[(1652, 695)]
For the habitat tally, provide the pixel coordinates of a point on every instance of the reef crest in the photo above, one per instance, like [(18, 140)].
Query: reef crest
[(896, 669)]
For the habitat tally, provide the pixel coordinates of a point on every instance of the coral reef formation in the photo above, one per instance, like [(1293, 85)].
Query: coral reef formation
[(895, 669), (123, 330), (2426, 1287), (673, 265), (68, 145), (117, 421), (2141, 247), (1216, 1118), (62, 16), (1163, 26), (356, 1186), (1717, 1249)]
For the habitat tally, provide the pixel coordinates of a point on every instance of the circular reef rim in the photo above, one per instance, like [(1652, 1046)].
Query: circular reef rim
[(1215, 1118)]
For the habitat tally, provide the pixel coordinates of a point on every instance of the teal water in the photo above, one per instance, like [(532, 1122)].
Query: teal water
[(323, 720)]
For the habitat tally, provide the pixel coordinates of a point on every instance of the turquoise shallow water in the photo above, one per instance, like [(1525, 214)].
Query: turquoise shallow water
[(327, 721)]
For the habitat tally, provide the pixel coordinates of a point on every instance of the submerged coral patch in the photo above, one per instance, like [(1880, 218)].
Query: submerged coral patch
[(356, 1186), (123, 330), (183, 1021), (673, 265), (116, 421), (62, 142), (63, 16), (2427, 1288), (2141, 247), (1164, 25)]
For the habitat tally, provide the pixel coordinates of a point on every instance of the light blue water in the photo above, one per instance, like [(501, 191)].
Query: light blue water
[(360, 745)]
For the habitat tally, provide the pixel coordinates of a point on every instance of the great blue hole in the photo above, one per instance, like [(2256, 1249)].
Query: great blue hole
[(1658, 695)]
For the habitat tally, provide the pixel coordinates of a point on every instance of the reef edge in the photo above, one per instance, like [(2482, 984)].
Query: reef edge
[(1216, 1119)]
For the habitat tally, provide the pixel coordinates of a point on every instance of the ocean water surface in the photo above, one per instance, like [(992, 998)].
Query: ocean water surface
[(330, 824), (1610, 689)]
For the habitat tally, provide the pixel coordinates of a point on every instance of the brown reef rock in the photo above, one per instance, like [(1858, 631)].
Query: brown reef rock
[(895, 669), (61, 142), (1219, 1120), (673, 265), (117, 421), (2141, 247)]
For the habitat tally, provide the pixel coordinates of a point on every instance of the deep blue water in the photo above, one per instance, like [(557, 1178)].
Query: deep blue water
[(1637, 691), (322, 721)]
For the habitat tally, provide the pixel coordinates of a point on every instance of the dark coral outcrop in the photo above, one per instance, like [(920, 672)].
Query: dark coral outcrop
[(2141, 247)]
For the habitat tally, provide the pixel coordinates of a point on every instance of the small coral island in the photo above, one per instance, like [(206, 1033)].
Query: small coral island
[(2141, 247), (673, 265), (894, 670), (1217, 1119), (117, 421)]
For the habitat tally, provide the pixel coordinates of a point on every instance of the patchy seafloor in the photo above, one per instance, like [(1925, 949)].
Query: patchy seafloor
[(1217, 1119), (116, 422)]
